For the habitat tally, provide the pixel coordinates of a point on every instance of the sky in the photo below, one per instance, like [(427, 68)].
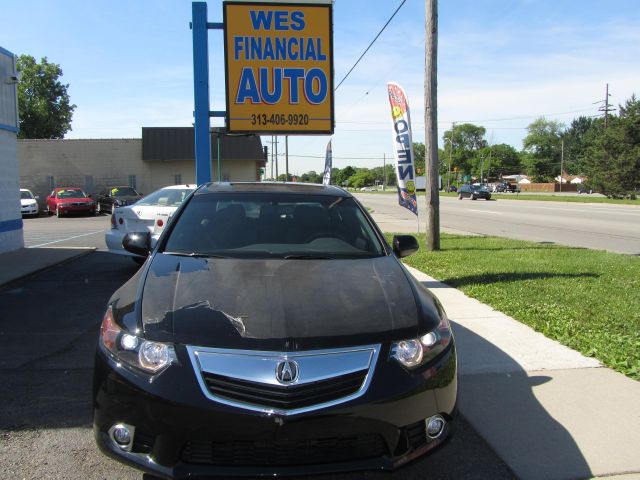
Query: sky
[(501, 64)]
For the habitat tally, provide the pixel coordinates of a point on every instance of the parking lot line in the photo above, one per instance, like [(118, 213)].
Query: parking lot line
[(65, 239)]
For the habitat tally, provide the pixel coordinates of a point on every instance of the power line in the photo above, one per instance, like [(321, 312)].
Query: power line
[(370, 45)]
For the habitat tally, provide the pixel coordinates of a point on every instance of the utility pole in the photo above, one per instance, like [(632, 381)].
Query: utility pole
[(271, 157), (384, 172), (286, 157), (276, 158), (606, 107), (453, 128), (431, 124), (562, 160)]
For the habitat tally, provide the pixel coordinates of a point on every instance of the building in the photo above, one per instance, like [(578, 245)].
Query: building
[(163, 156), (11, 237)]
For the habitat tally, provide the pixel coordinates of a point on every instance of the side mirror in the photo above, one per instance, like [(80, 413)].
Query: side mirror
[(37, 197), (404, 245), (138, 243)]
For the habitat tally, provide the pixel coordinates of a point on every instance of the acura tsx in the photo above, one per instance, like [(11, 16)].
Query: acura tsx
[(272, 330)]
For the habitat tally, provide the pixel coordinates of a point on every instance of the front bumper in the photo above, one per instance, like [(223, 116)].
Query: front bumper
[(179, 433), (84, 208), (29, 210)]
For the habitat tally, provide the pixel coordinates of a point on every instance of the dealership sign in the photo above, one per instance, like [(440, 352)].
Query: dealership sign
[(279, 67)]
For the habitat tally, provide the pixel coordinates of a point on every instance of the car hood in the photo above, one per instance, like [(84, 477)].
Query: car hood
[(276, 304), (24, 202)]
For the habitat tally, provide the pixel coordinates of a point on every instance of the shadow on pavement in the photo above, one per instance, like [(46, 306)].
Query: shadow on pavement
[(48, 333), (498, 398)]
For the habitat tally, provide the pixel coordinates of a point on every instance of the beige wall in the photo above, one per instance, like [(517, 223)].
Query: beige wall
[(77, 163)]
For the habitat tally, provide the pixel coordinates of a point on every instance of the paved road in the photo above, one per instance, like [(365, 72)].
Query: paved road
[(615, 228), (48, 332), (51, 232)]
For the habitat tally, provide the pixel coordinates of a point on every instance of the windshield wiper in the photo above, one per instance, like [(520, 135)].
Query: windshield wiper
[(307, 257), (195, 255)]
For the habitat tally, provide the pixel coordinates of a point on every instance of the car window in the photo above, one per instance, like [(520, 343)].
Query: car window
[(123, 192), (268, 225), (70, 194), (25, 195), (165, 197)]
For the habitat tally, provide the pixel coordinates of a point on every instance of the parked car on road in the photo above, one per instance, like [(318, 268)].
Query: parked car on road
[(583, 189), (113, 197), (28, 203), (368, 189), (452, 188), (66, 200), (473, 192), (272, 330), (151, 213)]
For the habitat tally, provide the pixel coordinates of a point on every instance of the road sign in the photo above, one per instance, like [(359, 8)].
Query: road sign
[(279, 67)]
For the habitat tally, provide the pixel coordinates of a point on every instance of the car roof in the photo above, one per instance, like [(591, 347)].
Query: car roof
[(192, 185), (273, 187)]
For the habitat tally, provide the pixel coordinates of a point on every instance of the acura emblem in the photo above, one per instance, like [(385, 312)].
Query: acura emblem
[(287, 372)]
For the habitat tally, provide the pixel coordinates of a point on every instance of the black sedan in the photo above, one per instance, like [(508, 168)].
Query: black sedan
[(473, 192), (272, 331), (113, 197)]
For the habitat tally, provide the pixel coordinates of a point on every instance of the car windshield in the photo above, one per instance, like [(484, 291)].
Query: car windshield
[(273, 225), (26, 195), (70, 194), (165, 197), (476, 188), (123, 192)]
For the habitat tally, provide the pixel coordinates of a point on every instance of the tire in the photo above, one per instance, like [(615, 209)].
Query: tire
[(98, 209), (58, 214), (473, 197), (459, 196)]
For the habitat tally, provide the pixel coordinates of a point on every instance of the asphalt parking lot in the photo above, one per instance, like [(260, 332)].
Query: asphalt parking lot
[(48, 333)]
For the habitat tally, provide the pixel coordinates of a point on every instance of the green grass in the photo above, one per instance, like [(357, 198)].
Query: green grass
[(586, 299)]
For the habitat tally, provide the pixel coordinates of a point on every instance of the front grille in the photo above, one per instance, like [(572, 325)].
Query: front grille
[(281, 452), (285, 397), (416, 434)]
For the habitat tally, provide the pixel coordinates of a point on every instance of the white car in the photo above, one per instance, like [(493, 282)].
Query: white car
[(368, 189), (28, 203), (150, 213)]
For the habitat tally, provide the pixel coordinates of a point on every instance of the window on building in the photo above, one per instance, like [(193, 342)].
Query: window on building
[(132, 181), (177, 179)]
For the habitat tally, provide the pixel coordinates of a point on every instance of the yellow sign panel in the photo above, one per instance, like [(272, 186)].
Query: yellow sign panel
[(279, 67)]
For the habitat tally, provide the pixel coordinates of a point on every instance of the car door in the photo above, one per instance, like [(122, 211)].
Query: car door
[(51, 201)]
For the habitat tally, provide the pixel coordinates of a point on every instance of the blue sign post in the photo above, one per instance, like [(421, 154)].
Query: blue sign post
[(200, 30)]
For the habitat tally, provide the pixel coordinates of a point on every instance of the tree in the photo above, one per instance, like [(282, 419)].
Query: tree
[(342, 175), (500, 159), (612, 161), (418, 153), (578, 138), (542, 144), (43, 101), (467, 139)]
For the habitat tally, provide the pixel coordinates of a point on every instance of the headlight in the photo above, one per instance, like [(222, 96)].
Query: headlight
[(152, 357), (418, 351)]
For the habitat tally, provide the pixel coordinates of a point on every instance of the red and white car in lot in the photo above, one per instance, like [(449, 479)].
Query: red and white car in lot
[(150, 213), (66, 200)]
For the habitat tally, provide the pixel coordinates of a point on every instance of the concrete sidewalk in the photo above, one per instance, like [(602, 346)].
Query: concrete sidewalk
[(546, 410), (26, 261)]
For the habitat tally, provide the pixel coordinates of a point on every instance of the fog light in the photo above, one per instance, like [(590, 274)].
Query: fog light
[(122, 435), (435, 426)]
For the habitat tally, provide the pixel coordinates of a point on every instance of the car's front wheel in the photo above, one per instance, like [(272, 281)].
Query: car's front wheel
[(473, 197), (459, 196)]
